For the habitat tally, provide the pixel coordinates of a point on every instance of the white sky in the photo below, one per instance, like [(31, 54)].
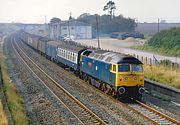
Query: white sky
[(34, 11)]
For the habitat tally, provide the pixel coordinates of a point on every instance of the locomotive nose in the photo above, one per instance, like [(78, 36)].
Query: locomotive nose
[(141, 90)]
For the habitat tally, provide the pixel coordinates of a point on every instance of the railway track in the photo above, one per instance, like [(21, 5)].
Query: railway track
[(152, 115), (83, 114), (147, 112)]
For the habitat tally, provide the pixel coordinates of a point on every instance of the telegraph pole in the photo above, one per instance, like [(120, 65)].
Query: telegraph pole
[(68, 23), (45, 24), (97, 27), (158, 25)]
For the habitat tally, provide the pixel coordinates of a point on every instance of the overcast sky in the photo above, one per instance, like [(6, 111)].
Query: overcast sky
[(34, 11)]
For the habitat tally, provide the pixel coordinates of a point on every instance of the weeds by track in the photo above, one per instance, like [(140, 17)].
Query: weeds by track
[(80, 111), (154, 117)]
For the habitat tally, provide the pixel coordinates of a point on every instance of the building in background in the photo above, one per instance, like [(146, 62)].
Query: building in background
[(71, 28)]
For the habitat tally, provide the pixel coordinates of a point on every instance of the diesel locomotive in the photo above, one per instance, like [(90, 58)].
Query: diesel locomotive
[(116, 74)]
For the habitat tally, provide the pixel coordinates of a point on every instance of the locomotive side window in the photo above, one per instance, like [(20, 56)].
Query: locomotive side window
[(136, 68), (114, 68), (124, 68)]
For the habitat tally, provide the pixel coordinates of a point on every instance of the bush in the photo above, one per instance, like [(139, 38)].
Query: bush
[(167, 42)]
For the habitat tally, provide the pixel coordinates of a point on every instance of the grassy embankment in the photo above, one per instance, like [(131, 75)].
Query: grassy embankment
[(3, 119), (166, 42), (163, 74), (14, 100)]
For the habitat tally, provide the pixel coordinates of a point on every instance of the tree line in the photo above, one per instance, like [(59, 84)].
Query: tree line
[(108, 25)]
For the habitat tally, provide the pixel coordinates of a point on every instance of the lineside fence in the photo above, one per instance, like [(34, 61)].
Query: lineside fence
[(155, 61), (151, 60)]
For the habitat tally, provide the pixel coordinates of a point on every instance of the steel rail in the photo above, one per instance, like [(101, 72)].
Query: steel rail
[(163, 119), (90, 114), (169, 120), (161, 115)]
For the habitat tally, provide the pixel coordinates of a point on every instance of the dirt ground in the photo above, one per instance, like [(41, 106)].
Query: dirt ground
[(114, 43)]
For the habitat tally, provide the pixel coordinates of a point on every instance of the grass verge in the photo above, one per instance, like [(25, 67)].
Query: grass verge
[(3, 119), (163, 74), (161, 51), (14, 100)]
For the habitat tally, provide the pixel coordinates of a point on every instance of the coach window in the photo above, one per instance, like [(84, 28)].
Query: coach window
[(63, 53), (72, 56), (68, 55), (60, 52)]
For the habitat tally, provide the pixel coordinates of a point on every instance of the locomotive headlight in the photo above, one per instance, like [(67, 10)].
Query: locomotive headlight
[(141, 90), (126, 78), (121, 90), (135, 78), (120, 77), (141, 78)]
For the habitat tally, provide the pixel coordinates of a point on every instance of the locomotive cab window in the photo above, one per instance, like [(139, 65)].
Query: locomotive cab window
[(136, 68), (113, 68), (124, 68)]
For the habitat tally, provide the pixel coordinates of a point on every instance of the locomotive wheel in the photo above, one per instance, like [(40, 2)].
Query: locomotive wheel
[(103, 87)]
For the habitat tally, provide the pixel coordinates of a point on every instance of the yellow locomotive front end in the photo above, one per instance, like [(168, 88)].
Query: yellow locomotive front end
[(130, 80)]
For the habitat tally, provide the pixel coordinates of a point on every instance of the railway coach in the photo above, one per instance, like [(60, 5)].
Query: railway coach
[(42, 45), (66, 54)]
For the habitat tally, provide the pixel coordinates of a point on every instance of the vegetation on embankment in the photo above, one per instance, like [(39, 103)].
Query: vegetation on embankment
[(14, 100), (166, 42), (163, 74), (3, 119)]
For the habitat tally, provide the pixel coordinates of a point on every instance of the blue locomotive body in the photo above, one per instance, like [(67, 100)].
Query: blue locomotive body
[(97, 69)]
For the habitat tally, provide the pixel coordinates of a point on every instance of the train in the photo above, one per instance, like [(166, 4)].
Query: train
[(116, 74)]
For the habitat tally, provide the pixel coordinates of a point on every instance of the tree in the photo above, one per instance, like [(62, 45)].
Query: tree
[(110, 7), (55, 20)]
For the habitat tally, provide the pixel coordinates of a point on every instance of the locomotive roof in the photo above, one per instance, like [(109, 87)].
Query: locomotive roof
[(112, 57)]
